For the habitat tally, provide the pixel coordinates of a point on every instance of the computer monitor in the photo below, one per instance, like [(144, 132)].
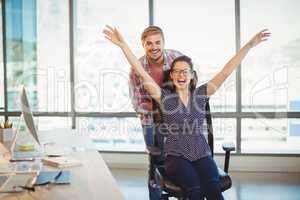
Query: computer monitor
[(27, 114), (14, 141)]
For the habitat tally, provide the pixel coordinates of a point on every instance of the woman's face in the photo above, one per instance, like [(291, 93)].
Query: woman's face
[(181, 75)]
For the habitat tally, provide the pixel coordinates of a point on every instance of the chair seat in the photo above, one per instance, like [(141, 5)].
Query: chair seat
[(176, 191)]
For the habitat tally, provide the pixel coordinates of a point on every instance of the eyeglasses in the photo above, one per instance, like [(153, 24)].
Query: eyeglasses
[(183, 72)]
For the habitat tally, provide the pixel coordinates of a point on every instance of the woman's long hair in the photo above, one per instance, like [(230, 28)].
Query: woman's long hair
[(167, 81)]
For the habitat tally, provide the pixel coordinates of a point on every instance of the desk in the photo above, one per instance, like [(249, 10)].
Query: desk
[(92, 180)]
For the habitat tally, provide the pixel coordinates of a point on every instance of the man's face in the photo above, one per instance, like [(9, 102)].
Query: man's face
[(153, 46)]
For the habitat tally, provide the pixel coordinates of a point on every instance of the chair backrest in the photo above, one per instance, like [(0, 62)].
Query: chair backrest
[(209, 128)]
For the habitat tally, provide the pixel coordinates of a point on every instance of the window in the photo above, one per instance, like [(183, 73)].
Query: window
[(208, 49), (52, 123), (37, 54), (270, 74), (271, 136), (224, 131), (209, 46), (1, 65), (53, 69), (21, 51), (101, 78), (113, 134), (38, 42)]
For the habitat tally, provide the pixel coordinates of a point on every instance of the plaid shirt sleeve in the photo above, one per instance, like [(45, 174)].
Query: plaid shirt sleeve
[(137, 92)]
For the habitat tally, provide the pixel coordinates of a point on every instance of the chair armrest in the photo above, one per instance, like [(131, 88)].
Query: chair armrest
[(227, 147)]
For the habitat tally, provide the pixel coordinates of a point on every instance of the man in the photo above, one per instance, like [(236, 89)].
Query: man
[(156, 62)]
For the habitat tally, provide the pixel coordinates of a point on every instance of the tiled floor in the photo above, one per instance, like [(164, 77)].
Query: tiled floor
[(246, 186)]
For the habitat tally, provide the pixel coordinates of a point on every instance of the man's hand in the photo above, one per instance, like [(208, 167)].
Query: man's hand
[(113, 35), (259, 37)]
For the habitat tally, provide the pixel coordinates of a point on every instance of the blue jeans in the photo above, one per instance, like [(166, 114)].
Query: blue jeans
[(198, 178), (149, 132)]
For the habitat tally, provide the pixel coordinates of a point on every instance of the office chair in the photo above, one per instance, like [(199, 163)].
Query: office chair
[(168, 188)]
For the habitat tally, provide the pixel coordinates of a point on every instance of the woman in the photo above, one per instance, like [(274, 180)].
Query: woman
[(188, 161)]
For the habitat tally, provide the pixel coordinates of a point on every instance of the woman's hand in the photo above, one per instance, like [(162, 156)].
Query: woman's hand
[(259, 37), (113, 35), (218, 80)]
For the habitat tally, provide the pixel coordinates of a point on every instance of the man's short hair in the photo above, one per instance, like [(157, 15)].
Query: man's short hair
[(152, 30)]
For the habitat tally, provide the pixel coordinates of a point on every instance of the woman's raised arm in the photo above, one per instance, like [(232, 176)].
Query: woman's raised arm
[(113, 35), (219, 79)]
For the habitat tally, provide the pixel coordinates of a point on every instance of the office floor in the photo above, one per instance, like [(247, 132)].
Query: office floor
[(246, 186)]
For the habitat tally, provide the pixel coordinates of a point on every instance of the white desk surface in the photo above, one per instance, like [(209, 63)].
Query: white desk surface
[(92, 180)]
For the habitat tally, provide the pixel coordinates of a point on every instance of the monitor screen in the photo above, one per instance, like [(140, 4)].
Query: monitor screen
[(27, 114)]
